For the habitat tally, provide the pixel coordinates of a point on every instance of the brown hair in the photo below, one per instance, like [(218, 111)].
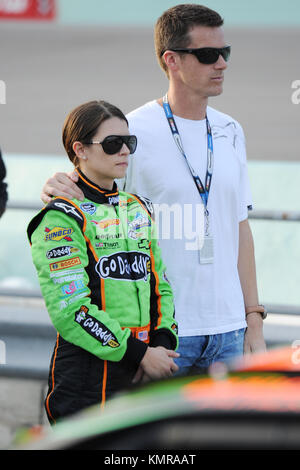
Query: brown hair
[(82, 124), (173, 27)]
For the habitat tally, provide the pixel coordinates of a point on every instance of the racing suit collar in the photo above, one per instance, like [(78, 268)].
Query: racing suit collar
[(93, 192)]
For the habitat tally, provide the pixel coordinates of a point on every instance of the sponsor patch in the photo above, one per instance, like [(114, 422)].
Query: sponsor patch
[(62, 279), (70, 300), (113, 200), (69, 272), (60, 251), (128, 266), (137, 223), (123, 203), (58, 233), (68, 209), (142, 335), (106, 223), (64, 264), (109, 236), (144, 243), (88, 207), (95, 328), (107, 245), (74, 286)]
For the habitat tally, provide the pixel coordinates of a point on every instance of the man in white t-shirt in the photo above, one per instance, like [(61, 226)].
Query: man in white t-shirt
[(210, 265)]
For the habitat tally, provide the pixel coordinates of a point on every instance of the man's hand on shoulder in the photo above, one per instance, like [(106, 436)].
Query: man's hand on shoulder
[(63, 185)]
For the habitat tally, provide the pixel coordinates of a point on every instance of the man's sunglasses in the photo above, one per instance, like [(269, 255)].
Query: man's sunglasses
[(113, 143), (207, 55)]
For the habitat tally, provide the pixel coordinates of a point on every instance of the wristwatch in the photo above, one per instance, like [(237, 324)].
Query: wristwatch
[(259, 309)]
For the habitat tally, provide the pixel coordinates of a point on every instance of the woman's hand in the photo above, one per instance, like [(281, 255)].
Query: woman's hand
[(158, 362)]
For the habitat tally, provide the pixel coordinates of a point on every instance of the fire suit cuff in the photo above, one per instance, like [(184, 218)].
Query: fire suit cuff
[(163, 338), (136, 350)]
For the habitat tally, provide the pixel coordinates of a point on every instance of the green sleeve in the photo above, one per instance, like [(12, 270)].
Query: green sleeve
[(59, 253)]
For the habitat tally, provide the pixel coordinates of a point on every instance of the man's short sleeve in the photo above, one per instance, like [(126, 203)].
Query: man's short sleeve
[(246, 201)]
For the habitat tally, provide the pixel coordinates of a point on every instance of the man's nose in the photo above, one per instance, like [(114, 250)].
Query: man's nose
[(221, 63)]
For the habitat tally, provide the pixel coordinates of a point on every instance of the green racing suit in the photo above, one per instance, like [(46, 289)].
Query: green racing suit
[(106, 291)]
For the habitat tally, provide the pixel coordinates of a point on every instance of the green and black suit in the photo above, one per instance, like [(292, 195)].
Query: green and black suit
[(105, 288)]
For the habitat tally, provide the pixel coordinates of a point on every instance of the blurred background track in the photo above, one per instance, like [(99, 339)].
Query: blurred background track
[(48, 69)]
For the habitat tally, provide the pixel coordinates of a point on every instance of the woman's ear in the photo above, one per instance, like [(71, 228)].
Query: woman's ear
[(79, 150)]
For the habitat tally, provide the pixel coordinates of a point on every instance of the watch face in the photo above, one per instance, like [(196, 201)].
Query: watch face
[(264, 313)]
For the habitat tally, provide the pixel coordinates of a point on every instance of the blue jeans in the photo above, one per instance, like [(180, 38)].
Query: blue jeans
[(197, 353)]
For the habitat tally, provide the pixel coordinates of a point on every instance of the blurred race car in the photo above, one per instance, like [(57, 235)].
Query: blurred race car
[(253, 404)]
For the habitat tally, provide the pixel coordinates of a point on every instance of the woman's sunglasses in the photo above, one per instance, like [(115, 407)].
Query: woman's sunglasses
[(207, 55), (113, 143)]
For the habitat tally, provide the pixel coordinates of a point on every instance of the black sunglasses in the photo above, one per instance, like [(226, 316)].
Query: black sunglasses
[(113, 143), (207, 55)]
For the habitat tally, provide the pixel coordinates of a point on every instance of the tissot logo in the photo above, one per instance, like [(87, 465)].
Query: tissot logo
[(127, 266)]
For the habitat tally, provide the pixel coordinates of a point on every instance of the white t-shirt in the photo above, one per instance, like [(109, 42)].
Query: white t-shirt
[(208, 297)]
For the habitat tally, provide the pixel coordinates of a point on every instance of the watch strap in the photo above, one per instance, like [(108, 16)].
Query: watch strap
[(258, 309)]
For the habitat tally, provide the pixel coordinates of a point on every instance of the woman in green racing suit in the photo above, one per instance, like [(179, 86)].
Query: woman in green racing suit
[(101, 274)]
